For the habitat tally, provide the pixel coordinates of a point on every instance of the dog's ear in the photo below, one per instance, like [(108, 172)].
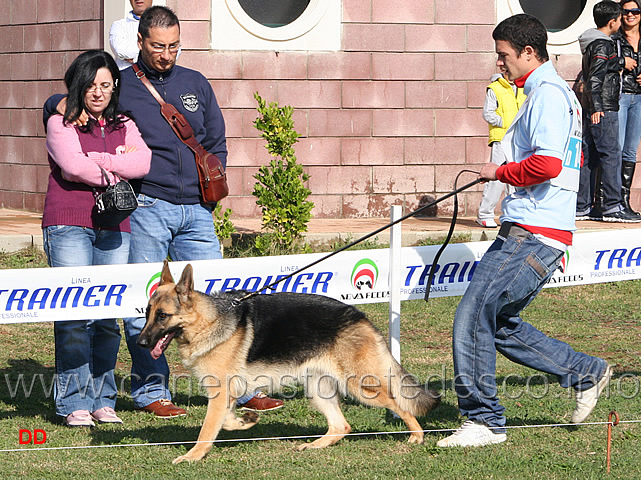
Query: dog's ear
[(185, 286), (165, 276)]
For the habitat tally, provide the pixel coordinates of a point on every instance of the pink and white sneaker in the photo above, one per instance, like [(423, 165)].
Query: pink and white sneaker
[(105, 415), (79, 418)]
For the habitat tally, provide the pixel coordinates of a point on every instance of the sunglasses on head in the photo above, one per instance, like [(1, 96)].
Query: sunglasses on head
[(633, 11)]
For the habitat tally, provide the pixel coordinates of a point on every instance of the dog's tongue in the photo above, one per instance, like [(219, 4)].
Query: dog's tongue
[(162, 344)]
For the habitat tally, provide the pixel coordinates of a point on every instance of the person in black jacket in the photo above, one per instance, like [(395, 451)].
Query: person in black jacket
[(628, 40), (600, 198)]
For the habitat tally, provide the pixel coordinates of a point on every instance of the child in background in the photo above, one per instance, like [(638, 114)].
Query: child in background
[(502, 102)]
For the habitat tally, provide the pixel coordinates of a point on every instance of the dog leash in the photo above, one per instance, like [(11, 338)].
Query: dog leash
[(430, 277), (453, 193)]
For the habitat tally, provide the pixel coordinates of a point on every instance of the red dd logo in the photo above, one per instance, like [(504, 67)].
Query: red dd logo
[(37, 437)]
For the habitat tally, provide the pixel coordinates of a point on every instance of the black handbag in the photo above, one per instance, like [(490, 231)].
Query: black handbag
[(116, 203)]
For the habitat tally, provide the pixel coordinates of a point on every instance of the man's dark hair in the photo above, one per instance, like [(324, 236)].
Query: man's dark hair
[(605, 11), (80, 76), (522, 30), (157, 16)]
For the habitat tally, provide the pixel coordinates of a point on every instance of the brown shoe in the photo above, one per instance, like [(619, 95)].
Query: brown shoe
[(164, 408), (261, 403)]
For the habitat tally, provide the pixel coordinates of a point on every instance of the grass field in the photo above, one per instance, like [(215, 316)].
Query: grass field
[(604, 320)]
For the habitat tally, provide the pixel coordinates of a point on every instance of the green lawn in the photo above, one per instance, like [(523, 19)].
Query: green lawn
[(599, 319)]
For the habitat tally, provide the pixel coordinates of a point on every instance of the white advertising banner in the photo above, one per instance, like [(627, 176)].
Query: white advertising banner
[(354, 277)]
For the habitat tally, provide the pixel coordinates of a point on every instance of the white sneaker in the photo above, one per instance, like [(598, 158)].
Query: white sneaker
[(586, 400), (472, 434), (487, 223)]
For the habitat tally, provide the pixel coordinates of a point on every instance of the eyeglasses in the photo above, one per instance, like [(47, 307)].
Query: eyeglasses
[(159, 48), (105, 88), (633, 11)]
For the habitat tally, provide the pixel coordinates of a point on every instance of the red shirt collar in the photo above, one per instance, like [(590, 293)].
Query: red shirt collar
[(520, 82)]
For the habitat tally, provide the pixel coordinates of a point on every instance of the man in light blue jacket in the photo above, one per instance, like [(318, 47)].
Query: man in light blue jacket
[(543, 149)]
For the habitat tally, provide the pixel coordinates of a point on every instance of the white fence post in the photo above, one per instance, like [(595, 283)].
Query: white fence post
[(395, 285)]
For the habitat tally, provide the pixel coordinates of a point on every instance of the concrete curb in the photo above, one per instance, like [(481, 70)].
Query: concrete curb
[(13, 243), (408, 239)]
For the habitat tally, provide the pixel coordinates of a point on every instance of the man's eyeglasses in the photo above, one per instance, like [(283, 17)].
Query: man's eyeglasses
[(158, 48), (633, 11), (105, 88)]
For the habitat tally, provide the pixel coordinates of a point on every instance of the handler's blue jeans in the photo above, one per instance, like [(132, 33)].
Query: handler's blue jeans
[(629, 125), (601, 149), (487, 320), (158, 229), (86, 350)]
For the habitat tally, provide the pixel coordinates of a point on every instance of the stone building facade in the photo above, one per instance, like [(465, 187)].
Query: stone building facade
[(387, 98)]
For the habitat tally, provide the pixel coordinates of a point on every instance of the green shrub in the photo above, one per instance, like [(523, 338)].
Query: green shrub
[(280, 189), (222, 222)]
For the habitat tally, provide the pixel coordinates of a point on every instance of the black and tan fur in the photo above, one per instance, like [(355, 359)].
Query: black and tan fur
[(331, 347)]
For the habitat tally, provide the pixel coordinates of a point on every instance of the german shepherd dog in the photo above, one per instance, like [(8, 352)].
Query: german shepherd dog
[(328, 346)]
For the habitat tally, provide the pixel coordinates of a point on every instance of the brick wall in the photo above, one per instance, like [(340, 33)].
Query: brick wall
[(40, 39), (392, 117)]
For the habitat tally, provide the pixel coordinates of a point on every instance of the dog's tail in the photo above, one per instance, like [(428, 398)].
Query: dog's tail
[(410, 394)]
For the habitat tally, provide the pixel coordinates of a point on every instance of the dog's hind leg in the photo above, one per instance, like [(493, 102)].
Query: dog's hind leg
[(374, 391), (248, 420), (416, 435), (324, 396)]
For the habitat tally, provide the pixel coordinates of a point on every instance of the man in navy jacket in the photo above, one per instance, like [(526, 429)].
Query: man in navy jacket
[(170, 219)]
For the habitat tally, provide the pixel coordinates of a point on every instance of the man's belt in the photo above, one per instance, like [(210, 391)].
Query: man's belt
[(511, 228)]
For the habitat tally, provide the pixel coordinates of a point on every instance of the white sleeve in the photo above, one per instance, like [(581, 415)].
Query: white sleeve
[(489, 109), (122, 44)]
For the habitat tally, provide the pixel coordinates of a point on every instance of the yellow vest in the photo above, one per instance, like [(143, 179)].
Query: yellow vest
[(508, 106)]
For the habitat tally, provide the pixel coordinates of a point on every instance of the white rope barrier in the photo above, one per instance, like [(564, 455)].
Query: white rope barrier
[(305, 437)]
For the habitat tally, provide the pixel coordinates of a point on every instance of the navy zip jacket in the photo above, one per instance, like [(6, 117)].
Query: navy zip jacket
[(173, 176)]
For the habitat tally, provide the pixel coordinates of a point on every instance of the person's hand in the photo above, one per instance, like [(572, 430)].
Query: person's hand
[(630, 63), (596, 117), (126, 149), (80, 121), (488, 172), (639, 79)]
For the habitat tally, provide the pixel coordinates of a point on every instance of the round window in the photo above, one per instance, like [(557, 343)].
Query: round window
[(556, 15), (300, 25), (274, 13), (278, 20), (564, 20)]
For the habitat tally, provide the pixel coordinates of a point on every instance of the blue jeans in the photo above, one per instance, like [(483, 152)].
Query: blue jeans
[(629, 126), (487, 320), (601, 149), (158, 229), (86, 351)]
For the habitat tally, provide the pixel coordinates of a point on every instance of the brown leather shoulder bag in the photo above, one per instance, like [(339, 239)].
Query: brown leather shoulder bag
[(211, 174)]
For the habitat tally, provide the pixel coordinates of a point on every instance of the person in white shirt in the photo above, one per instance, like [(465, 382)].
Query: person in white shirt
[(123, 35)]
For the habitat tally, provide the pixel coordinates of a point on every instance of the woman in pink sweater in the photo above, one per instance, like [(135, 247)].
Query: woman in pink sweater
[(86, 350)]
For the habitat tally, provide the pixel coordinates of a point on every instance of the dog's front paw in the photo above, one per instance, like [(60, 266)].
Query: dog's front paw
[(190, 456), (303, 446), (182, 458)]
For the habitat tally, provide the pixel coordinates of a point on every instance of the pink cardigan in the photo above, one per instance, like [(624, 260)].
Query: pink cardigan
[(64, 147), (75, 160)]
